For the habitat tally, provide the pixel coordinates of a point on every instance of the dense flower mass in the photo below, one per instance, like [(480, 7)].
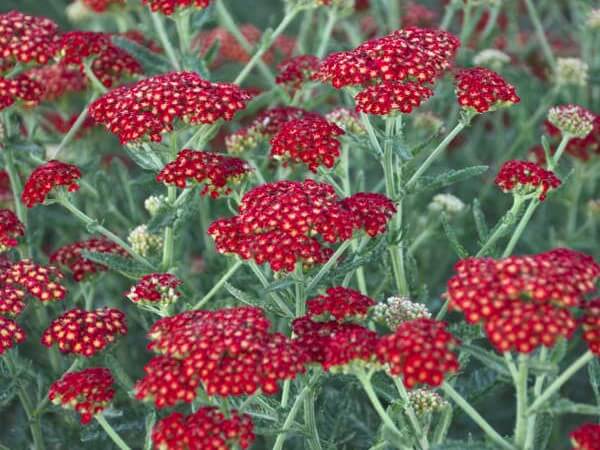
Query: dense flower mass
[(85, 333), (391, 96), (590, 323), (523, 301), (168, 7), (58, 80), (573, 120), (586, 437), (109, 62), (311, 141), (40, 282), (525, 177), (339, 303), (230, 351), (217, 172), (10, 334), (22, 89), (11, 228), (26, 39), (46, 177), (100, 6), (396, 310), (150, 107), (297, 70), (81, 267), (205, 429), (11, 300), (155, 288), (88, 392), (421, 351), (372, 211), (482, 89)]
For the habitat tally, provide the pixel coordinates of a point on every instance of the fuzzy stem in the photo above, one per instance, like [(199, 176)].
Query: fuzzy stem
[(265, 283), (562, 379), (420, 435), (539, 30), (169, 239), (537, 390), (281, 437), (232, 270), (17, 188), (521, 389), (310, 421), (327, 266), (365, 381), (91, 76), (74, 129), (476, 417), (164, 39), (331, 19), (111, 432), (507, 221)]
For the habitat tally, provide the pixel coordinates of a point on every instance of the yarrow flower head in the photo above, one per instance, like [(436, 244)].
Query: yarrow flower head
[(373, 211), (10, 334), (217, 172), (26, 39), (582, 148), (294, 72), (339, 304), (47, 177), (347, 120), (483, 90), (71, 256), (421, 350), (205, 429), (101, 6), (150, 107), (571, 71), (311, 141), (155, 288), (586, 437), (491, 58), (42, 283), (397, 310), (11, 228), (526, 177), (590, 323), (523, 301), (391, 97), (21, 90), (58, 80), (168, 7), (448, 203), (87, 392), (11, 300), (143, 241), (573, 120), (85, 333), (426, 401), (154, 203), (593, 19)]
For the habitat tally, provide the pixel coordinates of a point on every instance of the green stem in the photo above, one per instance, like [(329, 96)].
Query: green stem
[(578, 183), (74, 129), (266, 45), (164, 39), (419, 434), (521, 389), (327, 266), (169, 239), (111, 432), (448, 15), (217, 286), (539, 30), (535, 202), (326, 35), (537, 390), (562, 379), (365, 381), (507, 221), (562, 146), (93, 224), (265, 283), (289, 420), (310, 421), (182, 24), (91, 76), (476, 417), (17, 188), (202, 132)]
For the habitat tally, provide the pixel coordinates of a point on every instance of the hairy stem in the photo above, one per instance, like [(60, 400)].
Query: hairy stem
[(326, 35), (521, 389), (506, 222), (218, 285), (111, 432), (365, 381), (539, 30), (159, 27), (289, 420), (169, 238), (74, 129)]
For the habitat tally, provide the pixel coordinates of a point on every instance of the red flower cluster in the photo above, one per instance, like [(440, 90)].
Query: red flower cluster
[(11, 300), (590, 323), (85, 332), (88, 392), (10, 229), (421, 350), (524, 301), (168, 7), (6, 194), (26, 39), (40, 282), (384, 98), (295, 71), (339, 304), (149, 107), (586, 437), (46, 177), (22, 89), (311, 141), (81, 267), (100, 6), (139, 38), (526, 177), (372, 211), (58, 80), (110, 63), (10, 334), (266, 125), (217, 172), (483, 90), (230, 351), (155, 288), (205, 429), (279, 223)]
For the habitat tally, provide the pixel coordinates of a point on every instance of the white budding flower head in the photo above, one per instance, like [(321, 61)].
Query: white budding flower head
[(571, 71), (448, 203), (78, 11), (593, 19), (143, 242), (426, 401), (396, 310), (572, 119), (154, 203), (428, 121), (492, 58)]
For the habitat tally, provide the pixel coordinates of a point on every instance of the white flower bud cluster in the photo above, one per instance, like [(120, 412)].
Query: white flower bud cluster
[(346, 120), (571, 71), (448, 203), (491, 58), (427, 121), (78, 11), (396, 310), (425, 401), (572, 119), (593, 19), (143, 242), (154, 203)]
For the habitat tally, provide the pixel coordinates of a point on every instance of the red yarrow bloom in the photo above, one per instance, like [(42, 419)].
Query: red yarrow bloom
[(58, 80), (311, 141), (586, 437), (46, 177), (391, 97), (101, 6), (296, 71), (11, 228), (10, 334), (217, 172), (525, 177), (88, 392), (81, 267), (22, 90), (11, 300), (340, 304), (482, 90), (155, 288), (373, 211), (168, 7), (590, 324), (26, 39), (40, 282), (205, 429), (150, 107), (421, 350), (85, 333)]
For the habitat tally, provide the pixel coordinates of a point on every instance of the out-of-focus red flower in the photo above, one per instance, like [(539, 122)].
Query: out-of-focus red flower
[(10, 334), (47, 177), (26, 39), (10, 229), (581, 148), (482, 90), (101, 6), (62, 125), (139, 38), (295, 71), (168, 7), (11, 300), (339, 303), (40, 282), (21, 89), (6, 194), (58, 80), (525, 177), (590, 323), (586, 437)]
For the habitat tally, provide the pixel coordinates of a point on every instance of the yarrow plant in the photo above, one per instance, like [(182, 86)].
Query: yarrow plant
[(367, 225)]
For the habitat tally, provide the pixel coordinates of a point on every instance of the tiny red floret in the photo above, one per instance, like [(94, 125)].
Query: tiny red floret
[(525, 177), (46, 178)]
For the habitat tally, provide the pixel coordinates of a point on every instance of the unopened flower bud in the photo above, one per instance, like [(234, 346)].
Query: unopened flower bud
[(78, 11), (571, 71), (491, 58), (447, 203), (428, 122), (347, 120), (396, 310), (143, 242), (425, 401), (154, 203), (593, 19), (572, 119)]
